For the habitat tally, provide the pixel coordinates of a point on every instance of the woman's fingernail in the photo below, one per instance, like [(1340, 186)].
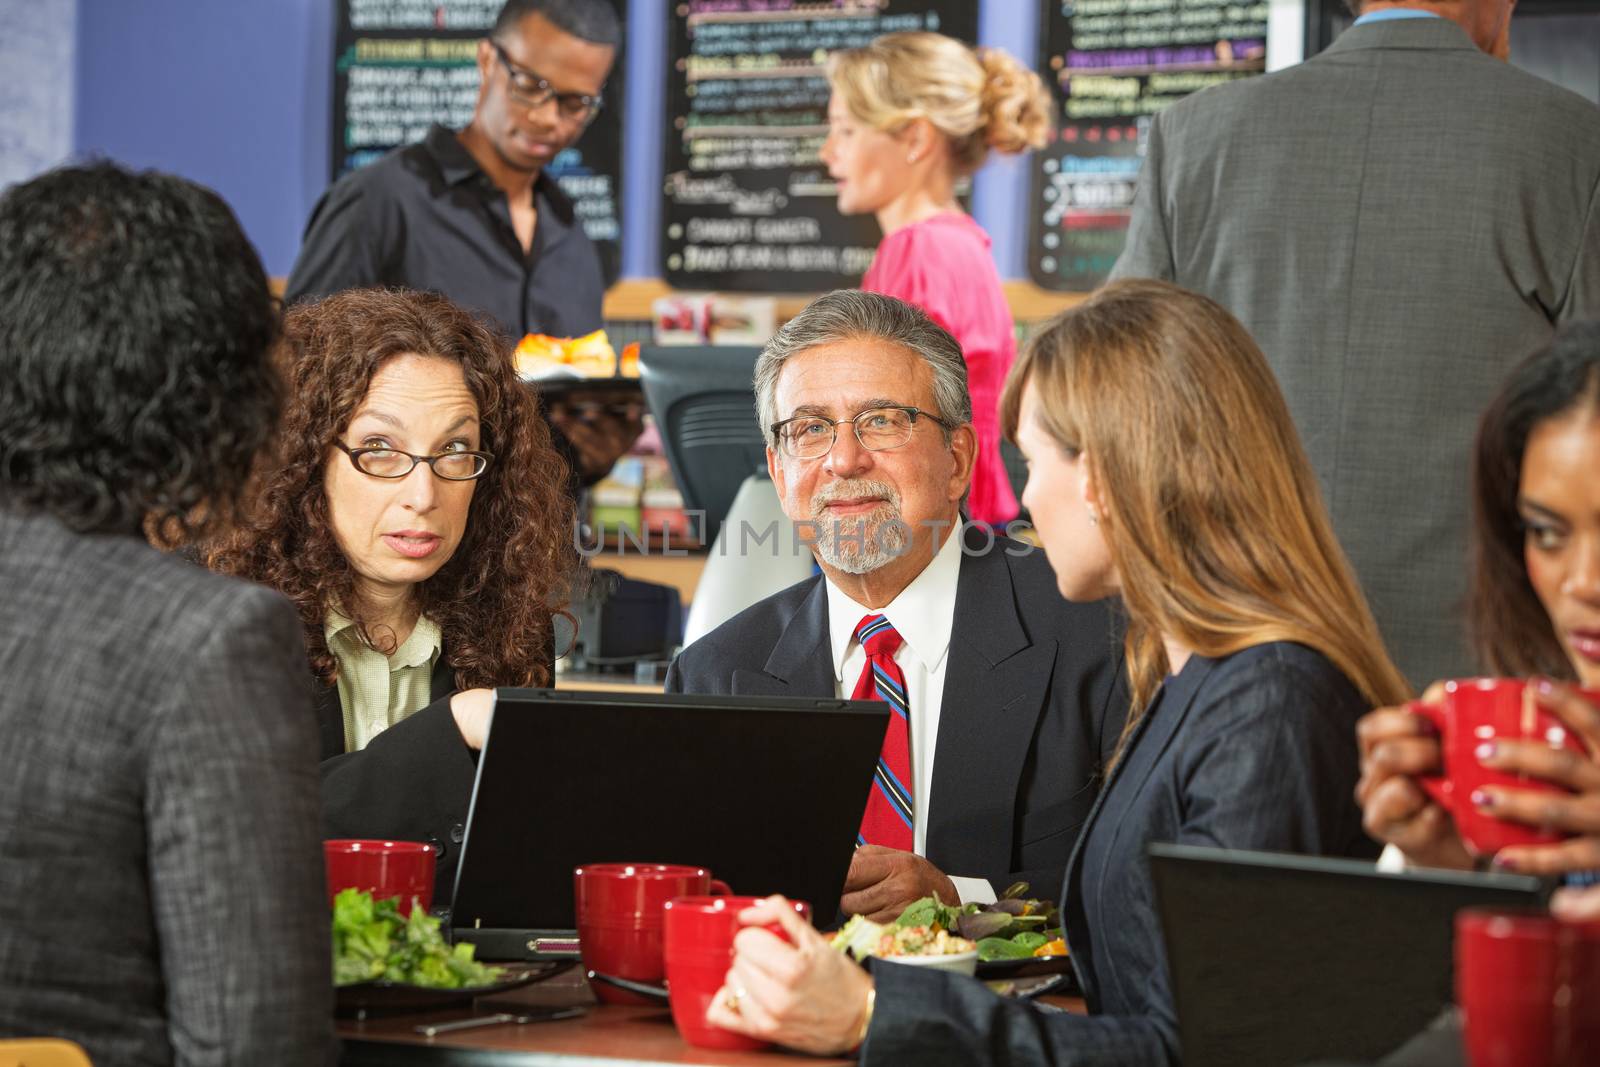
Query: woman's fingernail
[(1546, 686), (1481, 799), (1504, 862), (1485, 751)]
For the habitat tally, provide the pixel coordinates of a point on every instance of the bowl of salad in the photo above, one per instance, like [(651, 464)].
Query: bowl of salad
[(922, 945), (1010, 934)]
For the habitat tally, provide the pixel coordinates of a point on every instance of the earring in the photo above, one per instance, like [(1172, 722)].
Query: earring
[(911, 157), (1094, 516)]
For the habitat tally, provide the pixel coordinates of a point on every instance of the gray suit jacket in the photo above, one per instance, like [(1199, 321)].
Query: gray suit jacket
[(1397, 221), (1032, 706), (161, 888)]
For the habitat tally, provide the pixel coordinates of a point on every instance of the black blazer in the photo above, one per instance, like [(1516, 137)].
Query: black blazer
[(412, 782), (1256, 750), (1032, 705)]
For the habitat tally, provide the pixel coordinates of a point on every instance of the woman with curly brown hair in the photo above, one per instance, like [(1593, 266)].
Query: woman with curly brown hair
[(415, 514)]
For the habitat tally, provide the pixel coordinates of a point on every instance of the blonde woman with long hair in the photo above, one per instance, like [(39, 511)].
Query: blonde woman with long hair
[(910, 115), (1163, 470)]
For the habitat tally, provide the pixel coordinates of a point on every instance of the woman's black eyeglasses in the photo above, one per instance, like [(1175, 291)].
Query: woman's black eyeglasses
[(392, 463)]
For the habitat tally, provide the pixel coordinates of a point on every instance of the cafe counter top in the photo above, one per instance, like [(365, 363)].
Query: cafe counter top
[(606, 1035)]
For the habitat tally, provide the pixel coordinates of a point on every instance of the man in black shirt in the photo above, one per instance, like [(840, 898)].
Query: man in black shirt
[(472, 215)]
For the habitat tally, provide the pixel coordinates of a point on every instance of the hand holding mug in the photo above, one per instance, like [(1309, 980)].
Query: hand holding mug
[(1574, 810), (798, 993), (699, 944), (1397, 747)]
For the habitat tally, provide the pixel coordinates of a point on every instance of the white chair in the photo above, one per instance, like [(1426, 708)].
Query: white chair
[(756, 553)]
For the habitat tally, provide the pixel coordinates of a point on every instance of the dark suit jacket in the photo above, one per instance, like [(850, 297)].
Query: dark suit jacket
[(1254, 751), (161, 890), (412, 782), (1031, 708), (1397, 221)]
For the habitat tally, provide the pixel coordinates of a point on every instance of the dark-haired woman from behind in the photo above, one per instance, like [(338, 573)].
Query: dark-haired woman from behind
[(415, 514), (161, 891), (1163, 470), (1535, 612)]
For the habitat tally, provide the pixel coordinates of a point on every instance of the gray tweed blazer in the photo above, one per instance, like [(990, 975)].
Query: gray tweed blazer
[(161, 887)]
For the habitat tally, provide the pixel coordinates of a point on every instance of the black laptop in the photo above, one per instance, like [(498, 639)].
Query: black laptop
[(1278, 959), (766, 792)]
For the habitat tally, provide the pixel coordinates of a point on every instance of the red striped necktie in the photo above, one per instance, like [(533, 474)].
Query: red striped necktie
[(888, 818)]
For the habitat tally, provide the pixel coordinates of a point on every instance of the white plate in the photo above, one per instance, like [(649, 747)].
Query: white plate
[(958, 962)]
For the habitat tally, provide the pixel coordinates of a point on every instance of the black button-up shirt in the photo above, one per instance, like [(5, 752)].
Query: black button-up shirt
[(426, 216)]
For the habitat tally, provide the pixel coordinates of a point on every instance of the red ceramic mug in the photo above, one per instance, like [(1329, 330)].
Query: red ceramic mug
[(619, 911), (1478, 710), (401, 869), (1528, 986), (699, 950)]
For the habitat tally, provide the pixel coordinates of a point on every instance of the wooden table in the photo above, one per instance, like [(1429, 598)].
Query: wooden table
[(603, 683), (605, 1037)]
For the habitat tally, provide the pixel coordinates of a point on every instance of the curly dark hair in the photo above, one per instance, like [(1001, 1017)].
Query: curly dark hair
[(494, 599), (136, 330), (1511, 631)]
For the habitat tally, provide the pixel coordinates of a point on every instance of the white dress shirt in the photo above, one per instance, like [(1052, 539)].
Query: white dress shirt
[(923, 614)]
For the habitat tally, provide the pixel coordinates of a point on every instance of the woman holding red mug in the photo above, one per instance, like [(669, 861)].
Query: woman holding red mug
[(1535, 611)]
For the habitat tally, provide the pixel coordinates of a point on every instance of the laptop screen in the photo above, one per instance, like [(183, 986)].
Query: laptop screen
[(765, 792), (1282, 959)]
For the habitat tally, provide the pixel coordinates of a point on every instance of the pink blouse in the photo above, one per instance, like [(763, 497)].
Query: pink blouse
[(942, 264)]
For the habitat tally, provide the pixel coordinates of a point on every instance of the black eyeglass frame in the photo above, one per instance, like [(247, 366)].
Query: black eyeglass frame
[(914, 413), (355, 455), (545, 92)]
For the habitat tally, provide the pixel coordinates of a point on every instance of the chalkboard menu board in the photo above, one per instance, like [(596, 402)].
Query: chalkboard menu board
[(402, 65), (748, 205), (1111, 65)]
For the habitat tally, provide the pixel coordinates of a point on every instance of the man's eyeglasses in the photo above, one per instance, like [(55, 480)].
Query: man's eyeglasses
[(392, 463), (531, 91), (878, 429)]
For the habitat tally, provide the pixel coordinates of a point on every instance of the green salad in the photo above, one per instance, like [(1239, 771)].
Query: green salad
[(1014, 927), (372, 941)]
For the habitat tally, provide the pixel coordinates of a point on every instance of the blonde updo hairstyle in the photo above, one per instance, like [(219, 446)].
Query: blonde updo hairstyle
[(980, 99)]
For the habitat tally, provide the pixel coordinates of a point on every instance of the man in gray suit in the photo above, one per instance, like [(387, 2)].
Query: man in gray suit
[(1397, 221), (161, 886)]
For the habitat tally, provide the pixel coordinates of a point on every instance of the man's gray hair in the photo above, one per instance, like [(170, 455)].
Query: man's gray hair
[(845, 314)]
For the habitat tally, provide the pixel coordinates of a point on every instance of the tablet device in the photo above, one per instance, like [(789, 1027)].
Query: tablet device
[(1281, 959), (766, 792)]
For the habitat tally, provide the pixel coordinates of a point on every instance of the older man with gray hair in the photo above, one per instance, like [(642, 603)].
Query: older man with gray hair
[(1000, 686)]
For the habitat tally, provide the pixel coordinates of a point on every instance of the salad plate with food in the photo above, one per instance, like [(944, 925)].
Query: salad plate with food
[(383, 960), (1013, 937)]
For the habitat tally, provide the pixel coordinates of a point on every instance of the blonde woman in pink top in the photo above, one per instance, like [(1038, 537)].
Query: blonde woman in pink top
[(909, 116)]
